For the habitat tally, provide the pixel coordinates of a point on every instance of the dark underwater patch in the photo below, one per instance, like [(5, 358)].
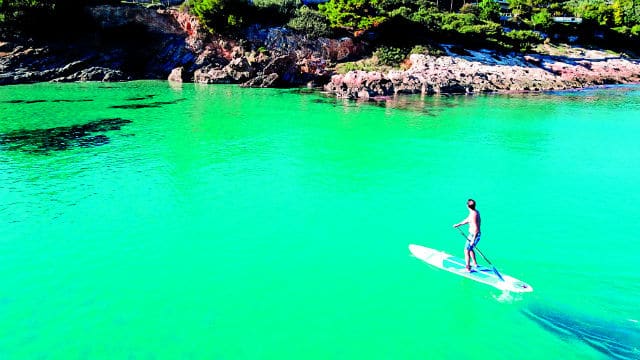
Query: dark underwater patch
[(134, 106), (43, 141), (140, 98), (616, 339), (24, 101), (324, 101), (71, 101), (41, 101), (155, 104)]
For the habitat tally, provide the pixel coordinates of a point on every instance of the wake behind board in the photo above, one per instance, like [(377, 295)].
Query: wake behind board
[(455, 265)]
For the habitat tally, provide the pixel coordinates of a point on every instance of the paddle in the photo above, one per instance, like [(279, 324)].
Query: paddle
[(484, 257)]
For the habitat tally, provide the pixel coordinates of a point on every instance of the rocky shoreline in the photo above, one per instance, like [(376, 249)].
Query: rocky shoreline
[(131, 42), (488, 71)]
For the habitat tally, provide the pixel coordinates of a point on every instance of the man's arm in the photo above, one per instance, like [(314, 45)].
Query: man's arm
[(465, 221)]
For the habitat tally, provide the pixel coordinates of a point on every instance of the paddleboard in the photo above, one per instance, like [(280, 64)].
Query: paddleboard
[(456, 266)]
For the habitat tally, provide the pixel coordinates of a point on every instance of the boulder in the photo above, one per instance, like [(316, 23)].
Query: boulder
[(239, 69), (286, 68), (263, 81), (211, 75), (177, 75), (94, 73)]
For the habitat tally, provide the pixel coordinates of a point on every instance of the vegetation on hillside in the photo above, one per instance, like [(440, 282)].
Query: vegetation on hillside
[(394, 26), (45, 18), (399, 25)]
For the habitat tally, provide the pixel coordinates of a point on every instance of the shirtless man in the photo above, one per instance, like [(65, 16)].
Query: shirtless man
[(474, 233)]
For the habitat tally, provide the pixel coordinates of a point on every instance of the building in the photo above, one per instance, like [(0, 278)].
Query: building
[(567, 19)]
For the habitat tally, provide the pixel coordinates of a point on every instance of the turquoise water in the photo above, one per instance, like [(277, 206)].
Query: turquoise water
[(148, 221)]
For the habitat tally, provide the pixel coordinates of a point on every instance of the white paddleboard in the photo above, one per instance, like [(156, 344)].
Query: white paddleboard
[(456, 265)]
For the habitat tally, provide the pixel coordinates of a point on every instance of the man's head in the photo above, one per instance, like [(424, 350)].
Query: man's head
[(471, 204)]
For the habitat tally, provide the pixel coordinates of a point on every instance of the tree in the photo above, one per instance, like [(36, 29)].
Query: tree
[(520, 8), (352, 14), (469, 8), (220, 15), (625, 12), (310, 22), (489, 10), (46, 17), (594, 11), (542, 19)]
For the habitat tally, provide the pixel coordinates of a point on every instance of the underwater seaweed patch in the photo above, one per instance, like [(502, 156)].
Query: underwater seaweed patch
[(71, 101), (43, 141), (20, 101), (140, 98), (24, 101), (155, 104)]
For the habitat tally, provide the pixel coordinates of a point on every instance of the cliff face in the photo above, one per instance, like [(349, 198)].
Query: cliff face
[(125, 42), (133, 42)]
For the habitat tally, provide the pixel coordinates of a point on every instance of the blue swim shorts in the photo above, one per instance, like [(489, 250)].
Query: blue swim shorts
[(472, 241)]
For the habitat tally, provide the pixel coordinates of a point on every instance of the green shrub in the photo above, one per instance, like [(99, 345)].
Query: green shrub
[(45, 17), (365, 65), (481, 30), (352, 14), (453, 21), (220, 15), (523, 40), (273, 11), (470, 9), (431, 20), (623, 30), (427, 50), (284, 5), (390, 56), (310, 22), (489, 10), (419, 49), (542, 20)]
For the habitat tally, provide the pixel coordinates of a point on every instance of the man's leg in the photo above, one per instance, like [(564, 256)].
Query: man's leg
[(473, 257), (466, 258), (473, 241)]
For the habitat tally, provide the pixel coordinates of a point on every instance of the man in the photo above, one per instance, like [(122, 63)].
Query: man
[(474, 234)]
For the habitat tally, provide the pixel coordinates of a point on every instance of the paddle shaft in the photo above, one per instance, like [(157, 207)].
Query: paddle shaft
[(484, 257)]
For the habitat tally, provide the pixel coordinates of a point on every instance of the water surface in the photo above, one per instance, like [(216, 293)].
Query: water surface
[(143, 220)]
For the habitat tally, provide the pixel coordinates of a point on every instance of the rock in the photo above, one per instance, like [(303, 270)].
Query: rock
[(481, 71), (157, 46), (210, 75), (341, 49), (286, 68), (263, 81), (177, 75), (94, 74), (119, 16), (584, 63), (533, 60), (239, 69), (6, 47)]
